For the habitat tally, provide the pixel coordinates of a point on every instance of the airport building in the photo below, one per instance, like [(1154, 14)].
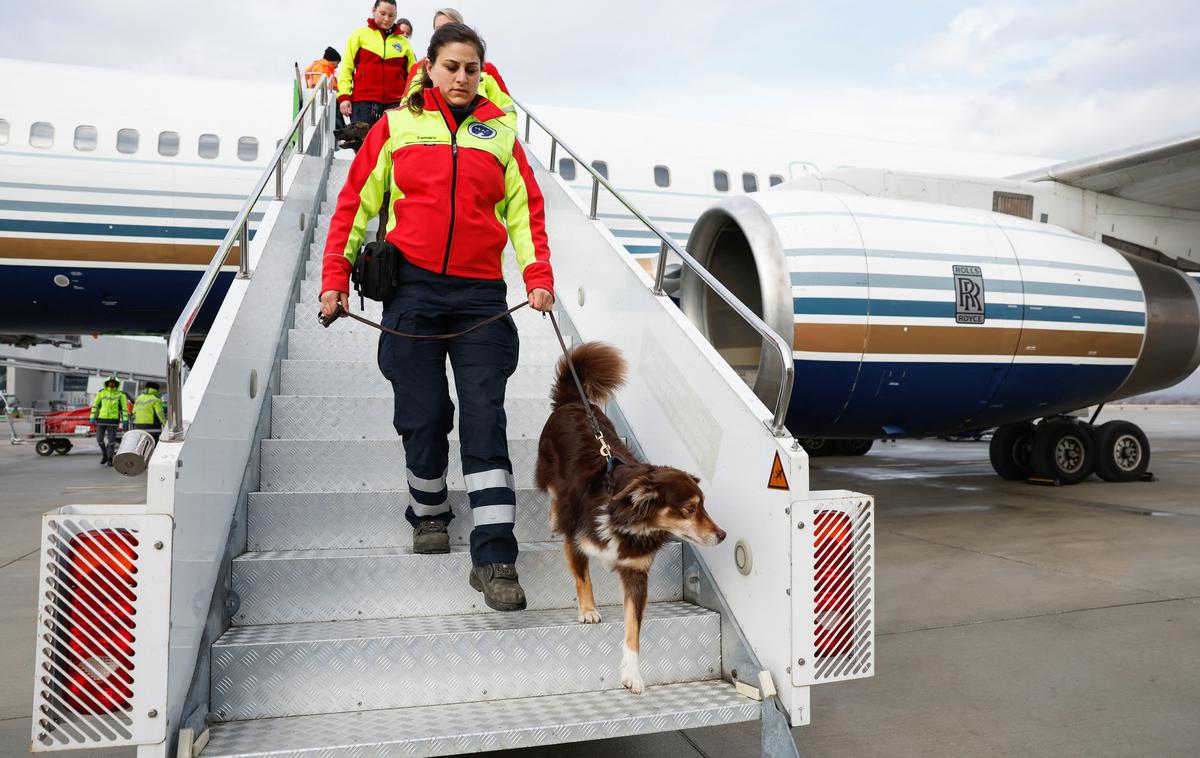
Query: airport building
[(57, 377)]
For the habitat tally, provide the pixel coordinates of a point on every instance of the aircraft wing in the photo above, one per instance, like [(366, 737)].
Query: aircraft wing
[(1161, 173)]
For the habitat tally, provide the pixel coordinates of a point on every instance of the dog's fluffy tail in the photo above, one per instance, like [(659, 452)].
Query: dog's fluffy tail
[(601, 370)]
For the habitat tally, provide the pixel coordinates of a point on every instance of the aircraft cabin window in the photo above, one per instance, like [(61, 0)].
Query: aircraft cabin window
[(721, 181), (127, 141), (168, 143), (601, 168), (209, 146), (566, 169), (750, 182), (4, 131), (86, 138), (247, 149), (41, 134), (662, 176), (776, 179)]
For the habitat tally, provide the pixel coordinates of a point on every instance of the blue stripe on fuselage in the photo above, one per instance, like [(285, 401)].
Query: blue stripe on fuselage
[(113, 230), (836, 306)]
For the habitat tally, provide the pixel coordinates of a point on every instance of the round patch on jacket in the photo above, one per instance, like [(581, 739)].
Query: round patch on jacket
[(398, 47), (482, 131)]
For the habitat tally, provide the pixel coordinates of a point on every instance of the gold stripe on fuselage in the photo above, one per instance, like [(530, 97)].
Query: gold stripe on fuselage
[(91, 251), (887, 339)]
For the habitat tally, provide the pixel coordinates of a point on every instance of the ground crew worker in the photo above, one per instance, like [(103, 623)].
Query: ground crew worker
[(491, 85), (462, 188), (375, 67), (324, 66), (148, 411), (109, 410)]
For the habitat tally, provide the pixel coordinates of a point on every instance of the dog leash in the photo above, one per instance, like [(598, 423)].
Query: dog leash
[(605, 450), (340, 312)]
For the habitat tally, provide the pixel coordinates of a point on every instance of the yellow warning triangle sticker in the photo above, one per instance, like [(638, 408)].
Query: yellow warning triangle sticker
[(778, 480)]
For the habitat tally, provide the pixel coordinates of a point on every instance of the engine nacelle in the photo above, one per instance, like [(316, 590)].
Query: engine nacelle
[(911, 318)]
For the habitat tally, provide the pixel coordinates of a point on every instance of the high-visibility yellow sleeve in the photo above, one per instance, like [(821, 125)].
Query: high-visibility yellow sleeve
[(346, 71), (358, 202)]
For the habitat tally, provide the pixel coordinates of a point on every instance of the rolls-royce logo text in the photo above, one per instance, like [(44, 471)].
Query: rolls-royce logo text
[(969, 306)]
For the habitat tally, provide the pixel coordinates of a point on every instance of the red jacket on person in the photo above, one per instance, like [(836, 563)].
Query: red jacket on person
[(459, 193), (375, 66)]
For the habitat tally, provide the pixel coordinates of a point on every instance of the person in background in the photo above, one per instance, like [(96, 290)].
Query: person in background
[(324, 66), (109, 410), (491, 84), (405, 27), (148, 412), (375, 67), (451, 227)]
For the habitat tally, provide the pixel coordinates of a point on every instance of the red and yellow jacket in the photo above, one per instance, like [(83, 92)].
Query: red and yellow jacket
[(375, 66), (459, 192)]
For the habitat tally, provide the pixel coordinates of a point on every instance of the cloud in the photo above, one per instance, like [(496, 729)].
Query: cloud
[(1064, 78)]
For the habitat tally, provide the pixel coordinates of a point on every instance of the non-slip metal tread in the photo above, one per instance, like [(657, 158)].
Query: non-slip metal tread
[(298, 669), (369, 417), (322, 520), (420, 626), (354, 378), (478, 727), (280, 587), (335, 345), (360, 465)]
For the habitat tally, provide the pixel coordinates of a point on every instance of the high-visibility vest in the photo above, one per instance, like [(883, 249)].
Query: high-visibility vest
[(110, 405), (318, 68), (148, 407)]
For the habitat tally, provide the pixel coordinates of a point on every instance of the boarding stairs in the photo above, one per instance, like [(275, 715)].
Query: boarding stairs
[(345, 639), (279, 610)]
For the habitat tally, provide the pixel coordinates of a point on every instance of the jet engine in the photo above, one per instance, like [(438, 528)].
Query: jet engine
[(911, 318)]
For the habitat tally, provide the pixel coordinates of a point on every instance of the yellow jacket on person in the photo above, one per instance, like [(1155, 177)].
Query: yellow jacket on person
[(148, 409), (110, 406), (375, 66)]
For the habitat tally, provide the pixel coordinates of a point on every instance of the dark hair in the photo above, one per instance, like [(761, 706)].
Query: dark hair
[(152, 385), (381, 2), (404, 21), (447, 34)]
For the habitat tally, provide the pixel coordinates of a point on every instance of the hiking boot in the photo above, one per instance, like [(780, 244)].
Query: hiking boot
[(103, 460), (500, 587), (431, 538)]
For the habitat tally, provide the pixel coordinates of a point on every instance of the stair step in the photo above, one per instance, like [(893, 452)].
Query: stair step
[(344, 585), (354, 378), (333, 344), (363, 465), (310, 288), (478, 727), (302, 669), (337, 520), (313, 417)]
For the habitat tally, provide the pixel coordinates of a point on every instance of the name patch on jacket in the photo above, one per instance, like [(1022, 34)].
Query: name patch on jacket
[(482, 131)]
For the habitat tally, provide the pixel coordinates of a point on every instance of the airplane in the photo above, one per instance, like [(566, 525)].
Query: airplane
[(116, 188), (926, 290)]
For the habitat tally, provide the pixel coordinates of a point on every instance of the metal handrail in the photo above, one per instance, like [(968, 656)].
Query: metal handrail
[(239, 232), (788, 369)]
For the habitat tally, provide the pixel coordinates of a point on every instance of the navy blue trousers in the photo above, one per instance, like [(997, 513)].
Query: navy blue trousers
[(431, 303)]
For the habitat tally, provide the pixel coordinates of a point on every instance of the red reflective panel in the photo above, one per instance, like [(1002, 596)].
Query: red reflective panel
[(833, 583), (100, 620)]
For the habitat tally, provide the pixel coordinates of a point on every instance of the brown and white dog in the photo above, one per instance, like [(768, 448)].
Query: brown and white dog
[(621, 519)]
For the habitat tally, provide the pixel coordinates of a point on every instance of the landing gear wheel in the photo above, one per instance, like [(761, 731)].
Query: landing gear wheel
[(853, 447), (1122, 451), (1063, 450), (62, 447), (43, 447), (817, 447), (1009, 451)]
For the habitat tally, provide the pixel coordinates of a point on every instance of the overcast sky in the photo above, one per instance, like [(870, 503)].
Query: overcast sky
[(1063, 78)]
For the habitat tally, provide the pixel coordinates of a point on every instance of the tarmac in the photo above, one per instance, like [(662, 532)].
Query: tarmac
[(1012, 619)]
